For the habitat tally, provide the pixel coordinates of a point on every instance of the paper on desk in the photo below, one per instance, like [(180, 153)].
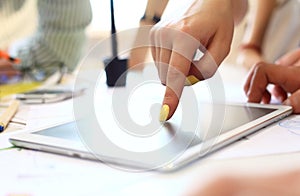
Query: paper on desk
[(43, 115), (281, 137), (17, 124), (37, 173), (38, 116)]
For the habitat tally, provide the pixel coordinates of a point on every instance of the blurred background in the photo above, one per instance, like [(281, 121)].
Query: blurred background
[(127, 15)]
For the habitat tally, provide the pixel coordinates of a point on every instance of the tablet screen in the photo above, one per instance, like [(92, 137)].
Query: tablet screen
[(236, 116), (171, 142)]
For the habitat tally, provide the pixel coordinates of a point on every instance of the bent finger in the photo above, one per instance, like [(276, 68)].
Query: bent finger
[(216, 52), (263, 75), (294, 101), (279, 93), (250, 76), (266, 98)]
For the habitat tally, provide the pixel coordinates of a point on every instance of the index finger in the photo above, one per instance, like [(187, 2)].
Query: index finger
[(178, 69)]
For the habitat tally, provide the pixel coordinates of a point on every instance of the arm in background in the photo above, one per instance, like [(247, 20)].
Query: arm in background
[(257, 24), (60, 35)]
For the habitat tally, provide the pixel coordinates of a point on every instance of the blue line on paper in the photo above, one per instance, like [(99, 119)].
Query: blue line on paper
[(292, 125)]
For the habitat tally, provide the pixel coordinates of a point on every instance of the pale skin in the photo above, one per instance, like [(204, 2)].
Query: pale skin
[(174, 45)]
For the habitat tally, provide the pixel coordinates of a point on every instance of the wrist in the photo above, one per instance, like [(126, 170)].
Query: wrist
[(150, 20), (250, 46)]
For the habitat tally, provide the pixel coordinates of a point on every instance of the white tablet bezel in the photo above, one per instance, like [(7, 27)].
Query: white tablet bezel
[(67, 147)]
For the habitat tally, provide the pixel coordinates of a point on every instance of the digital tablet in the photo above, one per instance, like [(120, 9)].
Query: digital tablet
[(170, 148)]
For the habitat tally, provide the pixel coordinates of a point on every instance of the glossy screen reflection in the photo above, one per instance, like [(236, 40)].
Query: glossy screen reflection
[(235, 116)]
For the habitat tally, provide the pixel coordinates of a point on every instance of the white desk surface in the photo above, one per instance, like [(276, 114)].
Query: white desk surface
[(37, 173)]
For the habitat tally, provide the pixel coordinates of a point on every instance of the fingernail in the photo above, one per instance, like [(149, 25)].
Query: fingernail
[(164, 112), (191, 80)]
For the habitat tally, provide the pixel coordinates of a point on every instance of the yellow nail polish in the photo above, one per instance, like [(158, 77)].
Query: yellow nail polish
[(191, 80), (164, 113)]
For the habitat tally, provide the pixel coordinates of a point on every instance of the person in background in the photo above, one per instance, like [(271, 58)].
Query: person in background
[(270, 24), (58, 41), (153, 12)]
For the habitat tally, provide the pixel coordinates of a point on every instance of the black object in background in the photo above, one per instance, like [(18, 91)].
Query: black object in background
[(115, 68)]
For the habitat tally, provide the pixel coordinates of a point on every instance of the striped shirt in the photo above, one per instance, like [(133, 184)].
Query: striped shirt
[(60, 34)]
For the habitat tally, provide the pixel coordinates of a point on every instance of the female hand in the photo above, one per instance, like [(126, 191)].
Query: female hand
[(207, 25)]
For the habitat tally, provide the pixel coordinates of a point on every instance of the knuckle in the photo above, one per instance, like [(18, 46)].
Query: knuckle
[(260, 66), (208, 72), (254, 96), (174, 74), (184, 33), (185, 28)]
